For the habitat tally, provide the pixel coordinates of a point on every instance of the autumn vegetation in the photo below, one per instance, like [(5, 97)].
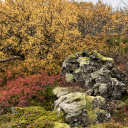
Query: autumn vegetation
[(37, 35)]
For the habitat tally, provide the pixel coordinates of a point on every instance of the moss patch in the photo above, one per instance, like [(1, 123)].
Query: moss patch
[(34, 116), (61, 125), (80, 59), (69, 78), (77, 71), (125, 100), (100, 56), (72, 56)]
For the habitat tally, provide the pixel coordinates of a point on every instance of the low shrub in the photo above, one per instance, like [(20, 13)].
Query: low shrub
[(28, 90)]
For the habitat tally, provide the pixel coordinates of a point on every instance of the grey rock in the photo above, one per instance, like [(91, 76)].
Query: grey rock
[(95, 72), (82, 110), (104, 85)]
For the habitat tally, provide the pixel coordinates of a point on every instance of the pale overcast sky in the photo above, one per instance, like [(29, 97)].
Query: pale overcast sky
[(114, 3)]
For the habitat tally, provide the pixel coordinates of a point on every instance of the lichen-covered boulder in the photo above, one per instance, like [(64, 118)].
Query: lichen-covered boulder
[(61, 91), (82, 110), (95, 72)]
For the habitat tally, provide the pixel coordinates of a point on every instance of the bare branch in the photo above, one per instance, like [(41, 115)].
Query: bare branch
[(11, 58)]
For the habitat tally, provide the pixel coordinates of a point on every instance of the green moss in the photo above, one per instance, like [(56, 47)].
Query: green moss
[(97, 110), (80, 59), (69, 78), (107, 125), (78, 53), (35, 116), (92, 112), (83, 60), (61, 125), (89, 100), (77, 70), (60, 91), (49, 97), (125, 100), (72, 56), (91, 116), (120, 104), (77, 97), (100, 56), (5, 118)]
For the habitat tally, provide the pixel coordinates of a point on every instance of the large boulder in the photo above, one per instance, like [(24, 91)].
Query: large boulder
[(96, 72), (80, 109)]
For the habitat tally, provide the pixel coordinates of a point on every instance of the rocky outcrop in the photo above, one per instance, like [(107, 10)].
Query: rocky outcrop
[(104, 88), (96, 72), (79, 109)]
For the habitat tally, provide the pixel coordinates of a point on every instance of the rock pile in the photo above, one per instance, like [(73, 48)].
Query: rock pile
[(95, 72), (104, 84), (80, 109)]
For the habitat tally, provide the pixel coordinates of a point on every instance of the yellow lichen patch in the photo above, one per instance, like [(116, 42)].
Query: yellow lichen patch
[(77, 70), (112, 79), (76, 97), (72, 56), (78, 53), (100, 56), (97, 110), (101, 98), (80, 59), (61, 125), (69, 78), (59, 91)]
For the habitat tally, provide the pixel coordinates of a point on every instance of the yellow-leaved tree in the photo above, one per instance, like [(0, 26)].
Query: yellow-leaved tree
[(37, 31)]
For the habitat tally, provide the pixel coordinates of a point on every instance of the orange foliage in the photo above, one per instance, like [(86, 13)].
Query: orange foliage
[(44, 33)]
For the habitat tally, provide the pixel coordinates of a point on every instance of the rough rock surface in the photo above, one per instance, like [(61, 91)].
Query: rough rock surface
[(104, 88), (96, 72), (80, 109)]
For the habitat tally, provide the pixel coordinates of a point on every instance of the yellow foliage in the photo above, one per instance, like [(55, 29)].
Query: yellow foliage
[(47, 31)]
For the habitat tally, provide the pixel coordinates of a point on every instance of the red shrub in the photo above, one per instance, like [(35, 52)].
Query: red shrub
[(21, 91)]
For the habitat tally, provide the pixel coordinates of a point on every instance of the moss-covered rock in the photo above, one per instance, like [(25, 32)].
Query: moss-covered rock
[(69, 78), (61, 91), (95, 72), (81, 109), (77, 71), (61, 125), (72, 56), (100, 56)]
